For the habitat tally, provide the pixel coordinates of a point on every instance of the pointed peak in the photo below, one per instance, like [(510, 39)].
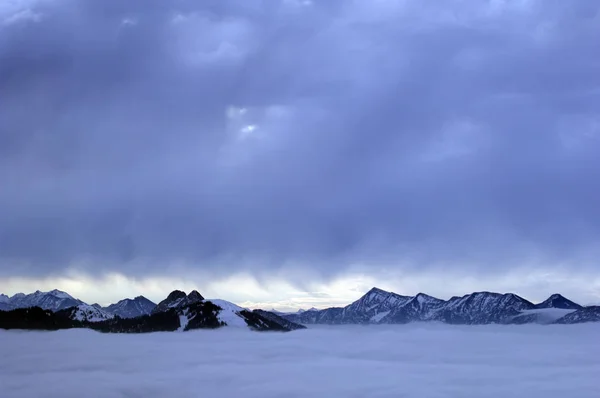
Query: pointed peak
[(376, 290), (123, 301), (422, 298), (423, 295), (557, 300), (195, 296), (59, 293), (516, 297)]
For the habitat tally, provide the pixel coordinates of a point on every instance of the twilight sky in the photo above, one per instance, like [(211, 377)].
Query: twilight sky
[(292, 153)]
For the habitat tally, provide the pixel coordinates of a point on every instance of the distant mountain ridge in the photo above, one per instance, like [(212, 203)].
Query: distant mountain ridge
[(586, 314), (131, 308), (56, 300), (378, 306), (53, 300), (178, 312)]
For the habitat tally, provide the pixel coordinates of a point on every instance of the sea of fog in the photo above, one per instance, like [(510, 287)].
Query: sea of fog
[(418, 360)]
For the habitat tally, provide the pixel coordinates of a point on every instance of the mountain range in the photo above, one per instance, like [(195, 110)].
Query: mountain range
[(378, 306), (181, 311), (56, 300), (178, 312), (53, 300)]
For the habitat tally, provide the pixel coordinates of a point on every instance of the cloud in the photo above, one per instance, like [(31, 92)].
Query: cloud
[(377, 361), (153, 138)]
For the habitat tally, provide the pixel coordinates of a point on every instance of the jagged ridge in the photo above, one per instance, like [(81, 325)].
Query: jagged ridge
[(378, 306), (178, 312), (53, 300)]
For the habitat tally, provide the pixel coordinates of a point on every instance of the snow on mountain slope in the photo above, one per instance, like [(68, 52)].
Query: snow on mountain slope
[(88, 313), (131, 308), (53, 300), (230, 313), (379, 316), (183, 321), (479, 308), (584, 315), (5, 303), (539, 315), (60, 294), (375, 301), (177, 299), (300, 311), (419, 308), (371, 307)]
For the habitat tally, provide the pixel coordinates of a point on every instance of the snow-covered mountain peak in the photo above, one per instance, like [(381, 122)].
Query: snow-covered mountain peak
[(230, 313), (4, 298), (131, 308), (60, 294), (375, 294), (53, 300), (88, 313), (55, 292), (424, 299), (376, 297)]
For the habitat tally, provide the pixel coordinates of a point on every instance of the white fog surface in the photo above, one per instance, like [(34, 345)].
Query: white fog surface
[(417, 360)]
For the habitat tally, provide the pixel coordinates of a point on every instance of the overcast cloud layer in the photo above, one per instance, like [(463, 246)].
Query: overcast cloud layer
[(141, 135)]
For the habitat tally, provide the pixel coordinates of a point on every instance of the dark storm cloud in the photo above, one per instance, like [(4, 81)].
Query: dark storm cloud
[(230, 135)]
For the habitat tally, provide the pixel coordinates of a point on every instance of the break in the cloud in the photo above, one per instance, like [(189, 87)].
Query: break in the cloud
[(157, 137)]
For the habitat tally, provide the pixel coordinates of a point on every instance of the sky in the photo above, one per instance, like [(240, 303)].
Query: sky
[(294, 153)]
